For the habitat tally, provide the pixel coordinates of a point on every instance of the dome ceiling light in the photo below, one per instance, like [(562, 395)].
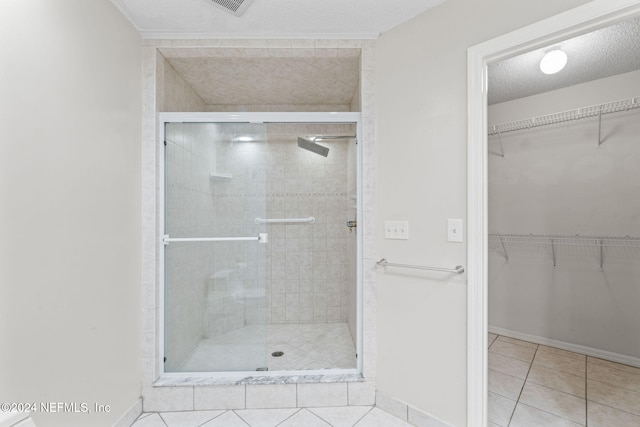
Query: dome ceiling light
[(553, 61)]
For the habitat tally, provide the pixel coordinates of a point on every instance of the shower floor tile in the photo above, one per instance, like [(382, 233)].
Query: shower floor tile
[(304, 346)]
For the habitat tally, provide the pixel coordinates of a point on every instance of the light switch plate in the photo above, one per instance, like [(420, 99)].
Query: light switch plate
[(454, 230), (396, 230)]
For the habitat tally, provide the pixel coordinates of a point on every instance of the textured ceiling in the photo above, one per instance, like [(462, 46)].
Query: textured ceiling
[(606, 52), (602, 53), (267, 18), (272, 80)]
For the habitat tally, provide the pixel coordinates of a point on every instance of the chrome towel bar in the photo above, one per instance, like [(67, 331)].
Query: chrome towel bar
[(262, 238), (309, 220), (458, 269)]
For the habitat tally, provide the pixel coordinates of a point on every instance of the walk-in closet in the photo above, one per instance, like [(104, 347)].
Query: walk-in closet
[(564, 235)]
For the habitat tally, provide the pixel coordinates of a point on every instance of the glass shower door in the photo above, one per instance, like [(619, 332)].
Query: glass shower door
[(215, 254)]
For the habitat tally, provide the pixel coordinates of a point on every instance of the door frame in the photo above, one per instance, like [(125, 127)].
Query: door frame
[(588, 17)]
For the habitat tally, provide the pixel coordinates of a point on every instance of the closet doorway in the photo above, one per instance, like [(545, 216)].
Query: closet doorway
[(535, 197), (564, 233)]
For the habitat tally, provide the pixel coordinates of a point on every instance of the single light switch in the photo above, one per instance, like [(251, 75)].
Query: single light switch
[(403, 230), (454, 230)]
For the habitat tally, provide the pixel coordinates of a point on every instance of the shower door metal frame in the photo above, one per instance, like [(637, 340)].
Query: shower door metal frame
[(259, 117)]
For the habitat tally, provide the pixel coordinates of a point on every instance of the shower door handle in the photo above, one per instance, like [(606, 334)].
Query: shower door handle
[(261, 238)]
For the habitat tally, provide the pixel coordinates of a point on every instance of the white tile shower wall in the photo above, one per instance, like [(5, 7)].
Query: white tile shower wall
[(188, 214), (304, 276), (179, 96), (236, 293), (311, 284), (152, 101), (171, 94), (174, 93)]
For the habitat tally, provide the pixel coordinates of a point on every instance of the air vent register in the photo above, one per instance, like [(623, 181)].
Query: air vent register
[(236, 7)]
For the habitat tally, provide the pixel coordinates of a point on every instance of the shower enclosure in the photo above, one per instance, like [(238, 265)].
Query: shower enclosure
[(260, 250)]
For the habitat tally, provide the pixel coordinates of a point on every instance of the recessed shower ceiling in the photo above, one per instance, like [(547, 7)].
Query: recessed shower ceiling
[(271, 80), (595, 55)]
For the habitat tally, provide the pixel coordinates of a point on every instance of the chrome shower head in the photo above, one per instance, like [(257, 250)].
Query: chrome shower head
[(310, 145)]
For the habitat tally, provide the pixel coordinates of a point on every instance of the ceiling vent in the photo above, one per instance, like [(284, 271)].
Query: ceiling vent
[(236, 7)]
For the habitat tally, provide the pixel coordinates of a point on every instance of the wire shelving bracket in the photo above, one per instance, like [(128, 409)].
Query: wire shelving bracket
[(564, 116), (505, 243)]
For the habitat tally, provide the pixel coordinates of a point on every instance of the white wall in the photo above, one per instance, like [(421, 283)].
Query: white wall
[(555, 180), (421, 132), (70, 105)]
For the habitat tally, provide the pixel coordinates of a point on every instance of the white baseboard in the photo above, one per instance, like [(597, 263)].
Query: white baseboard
[(406, 412), (130, 415), (589, 351)]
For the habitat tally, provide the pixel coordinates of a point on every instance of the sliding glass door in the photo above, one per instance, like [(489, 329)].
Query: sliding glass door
[(215, 255), (261, 244)]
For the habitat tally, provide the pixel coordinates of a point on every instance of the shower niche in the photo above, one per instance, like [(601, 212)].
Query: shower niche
[(260, 253)]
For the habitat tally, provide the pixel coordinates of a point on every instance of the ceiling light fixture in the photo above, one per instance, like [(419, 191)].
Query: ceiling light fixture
[(245, 138), (553, 61)]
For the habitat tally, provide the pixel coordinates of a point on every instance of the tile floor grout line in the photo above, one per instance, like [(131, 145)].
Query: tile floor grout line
[(618, 370), (625, 390), (514, 343), (523, 384), (586, 390), (362, 417), (613, 407), (561, 371), (241, 419), (224, 411), (298, 410), (319, 416), (558, 391), (347, 385), (162, 419), (551, 413)]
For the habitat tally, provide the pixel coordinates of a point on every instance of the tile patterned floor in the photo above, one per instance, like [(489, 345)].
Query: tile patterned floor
[(305, 346), (346, 416), (535, 385)]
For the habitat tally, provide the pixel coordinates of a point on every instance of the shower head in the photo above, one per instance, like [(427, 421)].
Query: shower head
[(310, 144)]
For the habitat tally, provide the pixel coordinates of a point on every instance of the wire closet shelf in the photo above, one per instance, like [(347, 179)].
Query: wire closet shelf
[(577, 240), (565, 116), (587, 247)]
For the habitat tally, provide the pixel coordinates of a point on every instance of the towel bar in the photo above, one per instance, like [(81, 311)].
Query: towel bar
[(458, 269)]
